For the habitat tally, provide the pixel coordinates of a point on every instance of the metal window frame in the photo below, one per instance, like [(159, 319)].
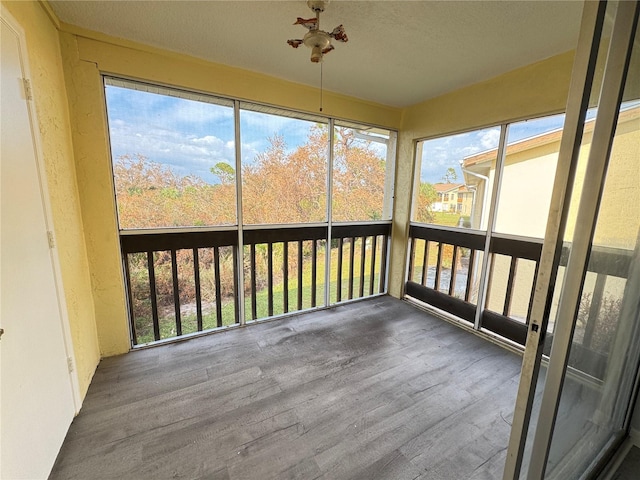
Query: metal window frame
[(618, 57)]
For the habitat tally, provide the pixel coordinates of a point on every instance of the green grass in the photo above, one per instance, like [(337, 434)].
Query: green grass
[(446, 219), (144, 324)]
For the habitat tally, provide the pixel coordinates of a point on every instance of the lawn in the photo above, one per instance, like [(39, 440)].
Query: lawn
[(144, 325)]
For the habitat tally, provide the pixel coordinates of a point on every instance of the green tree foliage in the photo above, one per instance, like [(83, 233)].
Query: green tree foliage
[(450, 175), (152, 195), (427, 195)]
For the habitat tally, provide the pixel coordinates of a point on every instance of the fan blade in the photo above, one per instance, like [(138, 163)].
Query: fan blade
[(328, 49), (309, 23), (339, 34), (295, 43)]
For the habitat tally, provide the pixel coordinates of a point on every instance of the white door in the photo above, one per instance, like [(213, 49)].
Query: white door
[(36, 389)]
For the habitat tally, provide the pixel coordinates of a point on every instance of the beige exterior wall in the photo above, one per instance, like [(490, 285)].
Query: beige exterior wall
[(525, 196), (49, 93)]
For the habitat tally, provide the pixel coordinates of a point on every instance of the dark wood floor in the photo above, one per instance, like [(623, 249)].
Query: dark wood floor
[(630, 467), (371, 390)]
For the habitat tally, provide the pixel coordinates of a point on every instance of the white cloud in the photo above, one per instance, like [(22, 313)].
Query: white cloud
[(186, 154), (489, 138)]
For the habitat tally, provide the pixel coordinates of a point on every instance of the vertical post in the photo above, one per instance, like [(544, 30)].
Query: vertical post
[(412, 259), (216, 271), (314, 271), (339, 273), (352, 250), (363, 251), (254, 290), (372, 273), (154, 298), (270, 279), (425, 263), (384, 263), (300, 259), (285, 277), (196, 280), (470, 271), (513, 269), (127, 279), (452, 279), (436, 285), (176, 292)]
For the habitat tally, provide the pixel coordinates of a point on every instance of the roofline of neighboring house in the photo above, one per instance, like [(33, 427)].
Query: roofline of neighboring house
[(542, 139), (454, 186)]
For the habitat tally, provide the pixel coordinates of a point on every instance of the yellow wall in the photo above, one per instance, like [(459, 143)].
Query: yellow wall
[(50, 99), (93, 271), (537, 89), (86, 56)]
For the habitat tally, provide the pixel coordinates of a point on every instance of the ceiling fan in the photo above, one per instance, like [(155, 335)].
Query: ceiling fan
[(318, 40)]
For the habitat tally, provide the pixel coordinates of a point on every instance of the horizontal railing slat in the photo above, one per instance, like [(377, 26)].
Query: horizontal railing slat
[(282, 234), (462, 238), (177, 241), (359, 229), (453, 305), (505, 326), (521, 247)]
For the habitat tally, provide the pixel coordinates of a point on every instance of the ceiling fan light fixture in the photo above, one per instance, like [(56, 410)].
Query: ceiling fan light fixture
[(317, 40), (316, 54)]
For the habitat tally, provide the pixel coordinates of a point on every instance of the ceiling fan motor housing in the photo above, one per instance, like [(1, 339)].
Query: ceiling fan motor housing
[(317, 5), (317, 41)]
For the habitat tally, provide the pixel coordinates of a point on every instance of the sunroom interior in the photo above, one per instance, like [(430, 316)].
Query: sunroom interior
[(338, 283)]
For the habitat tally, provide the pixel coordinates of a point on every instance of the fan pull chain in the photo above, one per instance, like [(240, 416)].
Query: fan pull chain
[(321, 62)]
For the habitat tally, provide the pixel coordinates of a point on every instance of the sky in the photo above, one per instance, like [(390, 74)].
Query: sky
[(446, 152), (192, 136), (442, 153), (187, 135)]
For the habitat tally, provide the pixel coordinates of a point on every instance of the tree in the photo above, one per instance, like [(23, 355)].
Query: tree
[(279, 186), (450, 175), (427, 195), (225, 172), (150, 194)]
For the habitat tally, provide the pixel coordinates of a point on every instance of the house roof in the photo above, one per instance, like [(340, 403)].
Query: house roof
[(626, 115), (449, 187)]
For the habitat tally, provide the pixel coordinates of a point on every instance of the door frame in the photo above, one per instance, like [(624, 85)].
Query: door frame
[(12, 23)]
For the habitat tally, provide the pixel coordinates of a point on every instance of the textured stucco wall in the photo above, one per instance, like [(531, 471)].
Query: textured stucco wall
[(86, 55), (48, 87)]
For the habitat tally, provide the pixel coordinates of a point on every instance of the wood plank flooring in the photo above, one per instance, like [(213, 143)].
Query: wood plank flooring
[(370, 390)]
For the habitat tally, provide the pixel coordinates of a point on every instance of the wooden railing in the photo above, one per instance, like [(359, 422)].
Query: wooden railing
[(163, 274), (377, 236), (434, 289), (603, 262), (151, 245)]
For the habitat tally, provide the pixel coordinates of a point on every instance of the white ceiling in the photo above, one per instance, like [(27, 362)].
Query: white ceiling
[(399, 52)]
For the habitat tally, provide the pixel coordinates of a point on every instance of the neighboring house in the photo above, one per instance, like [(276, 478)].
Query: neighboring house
[(528, 176), (453, 198), (525, 194)]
